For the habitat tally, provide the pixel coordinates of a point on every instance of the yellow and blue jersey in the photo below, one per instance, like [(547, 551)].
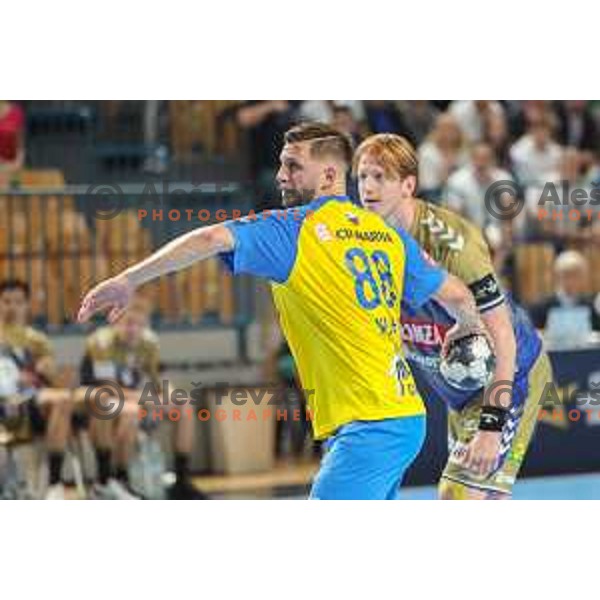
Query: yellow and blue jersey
[(338, 275)]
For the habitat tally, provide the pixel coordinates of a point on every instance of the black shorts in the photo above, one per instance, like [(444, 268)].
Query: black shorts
[(36, 417)]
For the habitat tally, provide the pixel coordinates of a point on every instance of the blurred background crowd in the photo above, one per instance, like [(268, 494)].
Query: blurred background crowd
[(463, 147), (52, 239)]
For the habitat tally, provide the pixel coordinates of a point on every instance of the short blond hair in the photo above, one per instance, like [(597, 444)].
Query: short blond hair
[(393, 152)]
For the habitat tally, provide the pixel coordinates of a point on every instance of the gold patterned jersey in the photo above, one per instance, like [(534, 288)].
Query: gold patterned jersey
[(449, 240), (107, 357), (26, 348)]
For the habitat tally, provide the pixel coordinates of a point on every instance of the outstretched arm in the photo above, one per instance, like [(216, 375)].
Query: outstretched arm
[(115, 293)]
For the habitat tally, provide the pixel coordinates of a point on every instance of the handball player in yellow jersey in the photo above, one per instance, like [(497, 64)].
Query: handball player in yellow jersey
[(338, 275)]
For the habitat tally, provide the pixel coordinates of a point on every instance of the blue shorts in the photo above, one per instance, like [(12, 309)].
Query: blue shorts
[(366, 460)]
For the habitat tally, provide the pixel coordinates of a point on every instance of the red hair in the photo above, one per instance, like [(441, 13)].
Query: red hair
[(394, 153)]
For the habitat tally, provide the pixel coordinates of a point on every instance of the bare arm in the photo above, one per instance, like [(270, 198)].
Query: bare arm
[(499, 325), (481, 454), (496, 323), (200, 244), (457, 299), (250, 116), (115, 293)]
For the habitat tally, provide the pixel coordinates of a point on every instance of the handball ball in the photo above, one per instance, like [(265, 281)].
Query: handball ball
[(469, 364)]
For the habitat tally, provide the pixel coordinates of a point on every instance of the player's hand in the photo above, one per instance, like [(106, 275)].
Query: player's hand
[(480, 456), (461, 330), (112, 295)]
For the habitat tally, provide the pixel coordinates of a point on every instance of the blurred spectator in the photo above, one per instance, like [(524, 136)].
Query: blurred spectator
[(555, 198), (467, 187), (523, 114), (535, 156), (472, 116), (12, 135), (384, 117), (497, 136), (344, 121), (577, 126), (570, 308), (502, 250), (420, 116), (265, 121), (127, 353), (324, 110), (316, 110), (442, 152), (32, 356)]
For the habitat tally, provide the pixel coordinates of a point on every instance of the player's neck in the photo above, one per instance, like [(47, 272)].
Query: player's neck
[(403, 214), (337, 188)]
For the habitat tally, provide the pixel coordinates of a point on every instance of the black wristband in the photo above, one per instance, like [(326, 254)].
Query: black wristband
[(492, 418)]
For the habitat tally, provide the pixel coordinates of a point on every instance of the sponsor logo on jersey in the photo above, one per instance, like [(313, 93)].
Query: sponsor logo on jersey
[(423, 334), (323, 232), (427, 362)]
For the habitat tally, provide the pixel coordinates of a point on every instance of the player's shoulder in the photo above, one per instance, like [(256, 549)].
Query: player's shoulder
[(447, 227), (321, 206), (458, 245), (273, 222), (345, 210), (345, 220), (332, 205), (432, 211)]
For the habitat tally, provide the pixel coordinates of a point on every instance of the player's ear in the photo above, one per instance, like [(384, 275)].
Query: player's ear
[(330, 174), (409, 186)]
